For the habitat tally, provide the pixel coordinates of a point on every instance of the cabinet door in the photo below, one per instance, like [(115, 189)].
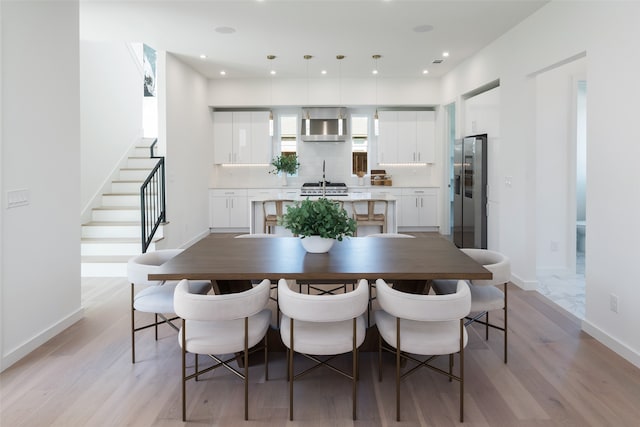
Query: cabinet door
[(409, 211), (241, 137), (407, 133), (222, 137), (426, 136), (218, 212), (428, 210), (238, 211), (260, 139), (388, 137)]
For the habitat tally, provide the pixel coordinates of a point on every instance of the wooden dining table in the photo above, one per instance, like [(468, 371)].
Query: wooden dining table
[(233, 264), (231, 259)]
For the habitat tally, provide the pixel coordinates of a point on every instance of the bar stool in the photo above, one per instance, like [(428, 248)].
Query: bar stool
[(272, 215), (374, 215)]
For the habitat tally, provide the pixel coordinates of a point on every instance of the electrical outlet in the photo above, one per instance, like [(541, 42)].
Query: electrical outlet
[(613, 303)]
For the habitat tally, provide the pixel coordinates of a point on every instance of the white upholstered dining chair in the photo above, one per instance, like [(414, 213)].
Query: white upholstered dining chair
[(485, 294), (219, 325), (157, 296), (322, 325), (428, 325)]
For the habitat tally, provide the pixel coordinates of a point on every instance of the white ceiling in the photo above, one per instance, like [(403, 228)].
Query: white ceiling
[(291, 29)]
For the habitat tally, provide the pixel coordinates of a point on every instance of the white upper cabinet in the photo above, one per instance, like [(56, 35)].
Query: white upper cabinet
[(406, 137), (223, 137), (241, 137), (260, 138), (426, 136)]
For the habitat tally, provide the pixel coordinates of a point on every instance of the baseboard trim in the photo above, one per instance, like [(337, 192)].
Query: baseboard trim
[(527, 285), (195, 239), (613, 344), (15, 355)]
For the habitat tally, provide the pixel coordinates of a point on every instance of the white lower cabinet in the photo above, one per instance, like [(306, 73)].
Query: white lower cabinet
[(228, 209), (419, 207)]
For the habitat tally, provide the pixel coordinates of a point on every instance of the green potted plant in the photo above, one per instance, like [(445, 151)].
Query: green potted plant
[(319, 223), (285, 164)]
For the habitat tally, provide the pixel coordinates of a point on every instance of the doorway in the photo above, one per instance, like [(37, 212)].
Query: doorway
[(561, 188)]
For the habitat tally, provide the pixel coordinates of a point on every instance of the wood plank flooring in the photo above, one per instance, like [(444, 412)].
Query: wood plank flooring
[(556, 376)]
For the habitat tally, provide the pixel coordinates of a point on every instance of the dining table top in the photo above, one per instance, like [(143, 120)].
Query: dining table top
[(227, 258)]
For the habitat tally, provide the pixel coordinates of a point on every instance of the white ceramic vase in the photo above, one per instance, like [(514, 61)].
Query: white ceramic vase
[(283, 179), (317, 244)]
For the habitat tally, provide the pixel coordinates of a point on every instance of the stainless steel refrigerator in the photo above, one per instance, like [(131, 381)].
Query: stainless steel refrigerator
[(470, 192)]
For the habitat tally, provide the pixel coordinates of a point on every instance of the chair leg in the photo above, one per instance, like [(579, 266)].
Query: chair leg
[(133, 329), (398, 369), (156, 325), (266, 358), (450, 367), (379, 358), (184, 374), (486, 326), (505, 322), (291, 370), (246, 368), (355, 372), (196, 366), (461, 370)]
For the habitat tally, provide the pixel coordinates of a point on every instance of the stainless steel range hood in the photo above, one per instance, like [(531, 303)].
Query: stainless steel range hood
[(327, 124)]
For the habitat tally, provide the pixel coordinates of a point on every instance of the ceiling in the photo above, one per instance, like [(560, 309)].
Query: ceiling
[(236, 36)]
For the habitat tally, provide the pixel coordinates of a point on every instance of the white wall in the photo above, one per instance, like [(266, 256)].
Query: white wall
[(111, 84), (323, 92), (187, 136), (40, 255), (608, 32)]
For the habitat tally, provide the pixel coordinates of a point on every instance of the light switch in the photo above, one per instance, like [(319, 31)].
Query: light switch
[(17, 198)]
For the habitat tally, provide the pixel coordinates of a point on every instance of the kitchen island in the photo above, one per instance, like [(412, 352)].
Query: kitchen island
[(257, 210)]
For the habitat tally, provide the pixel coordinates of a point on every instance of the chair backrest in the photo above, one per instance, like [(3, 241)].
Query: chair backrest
[(495, 262), (392, 235), (140, 266), (372, 207), (323, 308), (275, 207), (220, 307), (424, 307)]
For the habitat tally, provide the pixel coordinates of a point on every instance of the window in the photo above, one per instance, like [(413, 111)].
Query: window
[(359, 144), (288, 134)]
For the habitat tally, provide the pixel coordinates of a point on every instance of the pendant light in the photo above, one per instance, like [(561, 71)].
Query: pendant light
[(376, 127), (271, 73), (307, 121), (340, 118)]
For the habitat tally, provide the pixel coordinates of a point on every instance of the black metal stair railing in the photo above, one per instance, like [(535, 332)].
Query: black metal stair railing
[(152, 200)]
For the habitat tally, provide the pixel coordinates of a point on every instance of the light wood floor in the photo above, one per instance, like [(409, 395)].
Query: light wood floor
[(556, 376)]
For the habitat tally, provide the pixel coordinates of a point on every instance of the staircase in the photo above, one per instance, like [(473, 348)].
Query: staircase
[(113, 235)]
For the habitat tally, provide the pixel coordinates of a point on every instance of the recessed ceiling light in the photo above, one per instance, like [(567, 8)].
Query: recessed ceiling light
[(425, 71), (223, 73), (374, 72), (203, 56), (323, 72), (424, 28), (225, 30), (445, 54), (272, 72)]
